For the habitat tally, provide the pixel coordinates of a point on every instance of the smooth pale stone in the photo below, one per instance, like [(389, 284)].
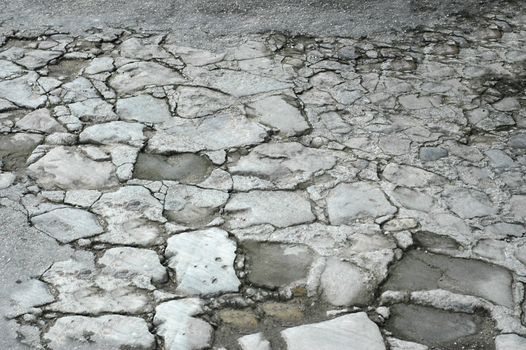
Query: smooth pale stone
[(83, 288), (65, 168), (193, 206), (134, 261), (254, 342), (208, 133), (96, 333), (114, 132), (285, 164), (469, 203), (27, 296), (138, 75), (510, 342), (350, 332), (22, 92), (405, 175), (347, 202), (68, 224), (40, 120), (279, 113), (143, 108), (93, 110), (175, 323), (203, 262), (133, 216), (344, 283), (278, 208), (82, 198), (197, 102)]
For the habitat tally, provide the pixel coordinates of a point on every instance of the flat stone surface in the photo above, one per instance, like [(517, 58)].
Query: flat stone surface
[(193, 206), (426, 271), (131, 214), (207, 133), (279, 113), (347, 202), (254, 341), (349, 332), (278, 208), (114, 132), (186, 167), (136, 76), (65, 168), (509, 341), (203, 262), (276, 265), (284, 164), (143, 108), (344, 284), (68, 224), (39, 120), (103, 332), (180, 330), (438, 328)]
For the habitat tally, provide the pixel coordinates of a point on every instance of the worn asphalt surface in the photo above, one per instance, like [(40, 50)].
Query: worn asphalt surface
[(198, 20)]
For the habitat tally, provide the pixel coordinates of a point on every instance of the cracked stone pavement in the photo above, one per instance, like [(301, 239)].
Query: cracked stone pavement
[(278, 192)]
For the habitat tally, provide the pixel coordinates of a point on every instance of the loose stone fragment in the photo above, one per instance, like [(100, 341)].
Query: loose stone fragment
[(207, 133), (426, 271), (103, 332), (197, 102), (285, 164), (22, 92), (39, 120), (279, 113), (429, 154), (84, 289), (138, 75), (114, 132), (132, 215), (510, 342), (203, 262), (404, 175), (65, 168), (82, 198), (68, 224), (349, 332), (345, 284), (278, 208), (254, 341), (193, 206), (469, 203), (29, 295), (180, 330), (440, 329), (347, 202), (93, 110), (133, 262), (276, 265), (144, 109)]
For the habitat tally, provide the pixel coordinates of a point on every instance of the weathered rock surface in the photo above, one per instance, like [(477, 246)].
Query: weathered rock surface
[(203, 262), (65, 168), (68, 224), (277, 208), (103, 332), (349, 332), (176, 323)]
